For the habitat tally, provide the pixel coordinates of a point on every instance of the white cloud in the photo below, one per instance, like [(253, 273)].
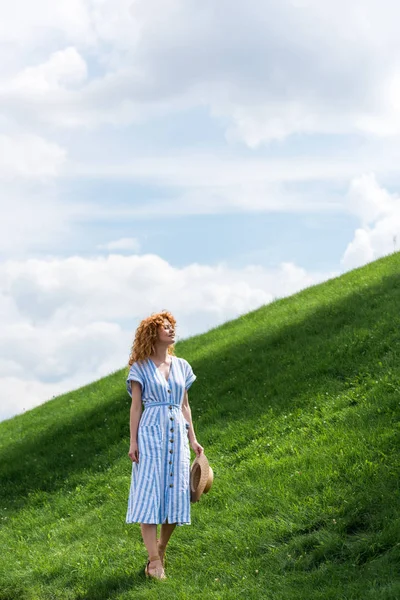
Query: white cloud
[(208, 183), (68, 322), (33, 217), (359, 251), (368, 200), (128, 244), (65, 68), (379, 213), (29, 156), (46, 92), (194, 169), (331, 74), (25, 23)]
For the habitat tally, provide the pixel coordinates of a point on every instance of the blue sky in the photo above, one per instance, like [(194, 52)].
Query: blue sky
[(205, 158)]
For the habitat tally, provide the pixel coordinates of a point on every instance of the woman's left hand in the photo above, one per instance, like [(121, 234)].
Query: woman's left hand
[(197, 447)]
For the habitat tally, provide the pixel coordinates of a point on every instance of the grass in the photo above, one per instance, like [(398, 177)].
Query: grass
[(297, 406)]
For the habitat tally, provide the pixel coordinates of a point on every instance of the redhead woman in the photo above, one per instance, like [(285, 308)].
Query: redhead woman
[(159, 436)]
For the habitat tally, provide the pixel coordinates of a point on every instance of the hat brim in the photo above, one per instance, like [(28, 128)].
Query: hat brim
[(201, 477)]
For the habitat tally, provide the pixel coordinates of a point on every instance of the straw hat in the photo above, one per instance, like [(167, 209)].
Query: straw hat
[(201, 477)]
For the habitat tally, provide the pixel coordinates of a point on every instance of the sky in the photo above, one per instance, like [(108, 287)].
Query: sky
[(200, 157)]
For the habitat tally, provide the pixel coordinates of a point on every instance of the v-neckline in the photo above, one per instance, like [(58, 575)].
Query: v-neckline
[(159, 372)]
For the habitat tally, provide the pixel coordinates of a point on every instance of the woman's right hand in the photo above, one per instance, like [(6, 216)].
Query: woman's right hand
[(134, 452)]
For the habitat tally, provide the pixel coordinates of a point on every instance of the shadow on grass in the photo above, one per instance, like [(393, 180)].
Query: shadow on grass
[(265, 370), (14, 592), (114, 585), (107, 587)]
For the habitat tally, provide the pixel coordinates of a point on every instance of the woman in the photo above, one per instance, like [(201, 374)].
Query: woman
[(159, 446)]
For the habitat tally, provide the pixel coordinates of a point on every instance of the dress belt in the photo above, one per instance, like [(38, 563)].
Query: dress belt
[(148, 404)]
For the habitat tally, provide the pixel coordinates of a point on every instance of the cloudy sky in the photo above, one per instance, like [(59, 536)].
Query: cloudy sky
[(203, 157)]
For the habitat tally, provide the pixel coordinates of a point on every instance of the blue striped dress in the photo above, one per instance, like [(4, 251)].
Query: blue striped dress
[(160, 482)]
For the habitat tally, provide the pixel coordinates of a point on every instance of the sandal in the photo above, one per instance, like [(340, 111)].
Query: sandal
[(161, 551), (158, 569)]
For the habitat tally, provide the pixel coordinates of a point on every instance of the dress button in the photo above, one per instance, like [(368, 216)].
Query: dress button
[(170, 406), (171, 485), (171, 474), (169, 391), (170, 462), (171, 429), (172, 418), (171, 440), (171, 451)]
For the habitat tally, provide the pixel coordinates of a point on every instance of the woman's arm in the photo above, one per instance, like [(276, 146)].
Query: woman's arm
[(187, 413), (136, 409)]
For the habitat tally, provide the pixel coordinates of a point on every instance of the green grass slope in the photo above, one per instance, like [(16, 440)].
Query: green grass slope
[(297, 406)]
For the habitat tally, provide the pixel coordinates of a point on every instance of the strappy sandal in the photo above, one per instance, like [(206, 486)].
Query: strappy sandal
[(158, 570), (161, 551)]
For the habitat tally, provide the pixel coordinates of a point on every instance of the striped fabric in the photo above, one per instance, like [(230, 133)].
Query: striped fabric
[(160, 482)]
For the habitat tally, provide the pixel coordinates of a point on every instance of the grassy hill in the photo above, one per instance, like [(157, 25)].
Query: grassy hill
[(297, 406)]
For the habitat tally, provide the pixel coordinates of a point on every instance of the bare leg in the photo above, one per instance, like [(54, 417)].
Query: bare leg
[(166, 532), (149, 534)]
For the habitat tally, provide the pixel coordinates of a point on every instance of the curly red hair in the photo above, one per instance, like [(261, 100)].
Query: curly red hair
[(146, 336)]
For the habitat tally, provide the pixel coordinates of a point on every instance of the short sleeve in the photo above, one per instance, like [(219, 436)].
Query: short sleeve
[(190, 376), (134, 374)]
